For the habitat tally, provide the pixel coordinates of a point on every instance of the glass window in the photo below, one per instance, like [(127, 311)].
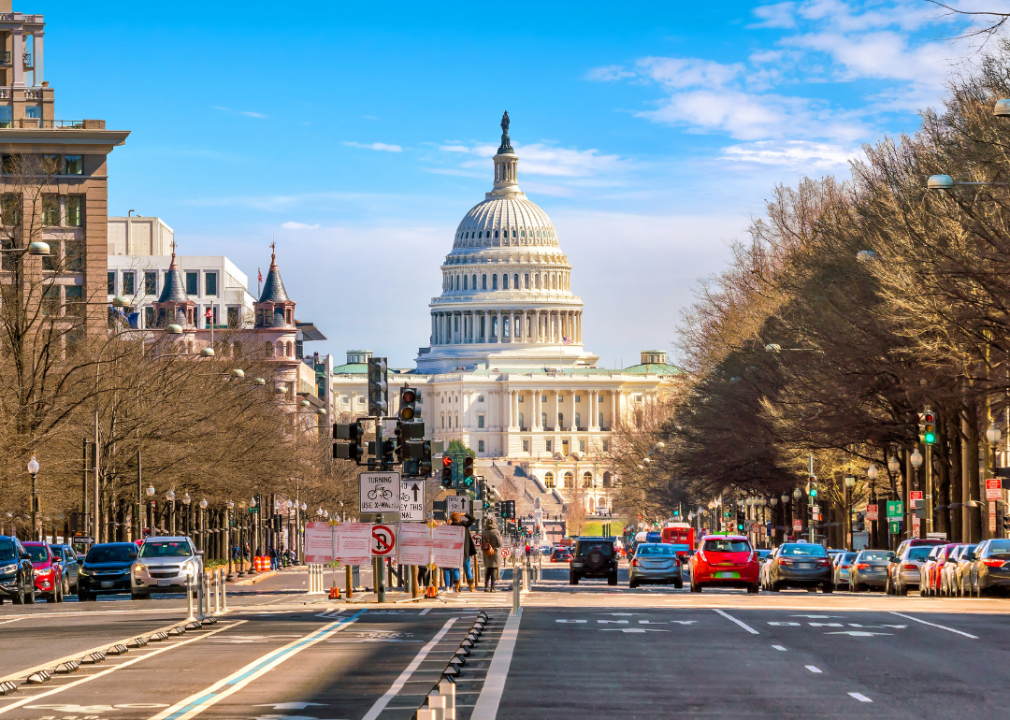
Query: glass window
[(151, 282), (729, 546), (494, 282), (148, 317), (919, 552), (33, 111), (526, 445), (52, 260), (480, 398), (112, 283), (515, 281), (6, 116), (650, 549), (465, 278), (75, 210), (51, 164), (578, 419), (51, 300), (192, 283), (10, 209), (170, 548), (483, 282), (210, 284), (74, 300), (480, 421), (504, 282), (480, 446), (522, 421), (129, 283), (473, 283), (873, 555), (234, 317), (526, 281), (50, 210), (38, 553), (548, 446), (543, 420), (606, 446), (111, 553), (582, 446), (804, 549), (75, 165)]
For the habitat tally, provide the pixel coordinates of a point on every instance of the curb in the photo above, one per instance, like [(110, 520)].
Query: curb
[(260, 577)]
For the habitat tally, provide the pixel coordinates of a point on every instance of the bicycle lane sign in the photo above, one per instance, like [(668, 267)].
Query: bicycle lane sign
[(379, 492)]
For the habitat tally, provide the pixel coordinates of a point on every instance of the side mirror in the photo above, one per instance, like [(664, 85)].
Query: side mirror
[(200, 553)]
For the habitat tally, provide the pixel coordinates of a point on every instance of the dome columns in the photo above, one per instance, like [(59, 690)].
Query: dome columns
[(520, 326)]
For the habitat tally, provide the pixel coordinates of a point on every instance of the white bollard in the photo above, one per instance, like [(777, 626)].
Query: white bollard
[(218, 585), (447, 690), (224, 590), (189, 597), (436, 703), (425, 714)]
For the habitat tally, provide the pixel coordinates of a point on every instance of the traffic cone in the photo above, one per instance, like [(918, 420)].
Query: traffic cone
[(334, 593)]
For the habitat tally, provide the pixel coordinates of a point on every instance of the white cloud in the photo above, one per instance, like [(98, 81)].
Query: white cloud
[(455, 148), (374, 146), (793, 154), (250, 113), (778, 15), (291, 225), (689, 72), (609, 73), (544, 159)]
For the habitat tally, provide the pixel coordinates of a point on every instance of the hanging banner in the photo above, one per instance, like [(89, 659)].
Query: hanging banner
[(413, 544), (318, 542), (354, 543), (447, 545)]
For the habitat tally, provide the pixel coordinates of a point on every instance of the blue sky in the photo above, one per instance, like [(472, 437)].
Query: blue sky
[(359, 135)]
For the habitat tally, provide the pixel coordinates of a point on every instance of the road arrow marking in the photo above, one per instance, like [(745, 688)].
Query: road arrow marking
[(631, 630), (289, 705), (612, 622), (573, 622), (857, 633), (817, 617)]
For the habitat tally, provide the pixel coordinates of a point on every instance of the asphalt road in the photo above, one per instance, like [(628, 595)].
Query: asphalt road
[(586, 652)]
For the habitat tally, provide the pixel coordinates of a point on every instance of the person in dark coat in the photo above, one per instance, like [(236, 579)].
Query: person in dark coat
[(469, 549), (489, 549)]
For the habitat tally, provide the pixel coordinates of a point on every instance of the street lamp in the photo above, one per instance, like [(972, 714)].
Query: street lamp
[(893, 465), (773, 501), (186, 500), (993, 434), (150, 511), (203, 524), (230, 505), (797, 494), (916, 459), (170, 497), (872, 471), (33, 469)]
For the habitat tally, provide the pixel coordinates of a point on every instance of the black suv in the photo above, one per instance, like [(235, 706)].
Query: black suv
[(17, 576), (594, 557)]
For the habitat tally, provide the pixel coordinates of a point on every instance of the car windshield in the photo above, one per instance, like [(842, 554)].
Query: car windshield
[(58, 552), (919, 553), (604, 547), (175, 548), (999, 548), (110, 553), (849, 557), (6, 549), (38, 553), (806, 550), (655, 550), (727, 546), (874, 555)]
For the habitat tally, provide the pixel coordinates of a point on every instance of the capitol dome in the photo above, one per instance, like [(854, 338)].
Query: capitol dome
[(506, 296)]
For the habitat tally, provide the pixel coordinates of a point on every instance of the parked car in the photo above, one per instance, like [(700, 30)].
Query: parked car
[(561, 554), (48, 571), (106, 570), (840, 569), (929, 585), (903, 572), (17, 577), (655, 563), (71, 566), (164, 565), (945, 581), (765, 567), (991, 567), (960, 573), (725, 561), (802, 565), (869, 570)]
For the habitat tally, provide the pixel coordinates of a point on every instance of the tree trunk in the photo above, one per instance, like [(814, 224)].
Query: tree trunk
[(972, 476)]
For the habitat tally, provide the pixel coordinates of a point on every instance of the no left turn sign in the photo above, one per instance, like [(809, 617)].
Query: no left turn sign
[(504, 552), (383, 540), (477, 539)]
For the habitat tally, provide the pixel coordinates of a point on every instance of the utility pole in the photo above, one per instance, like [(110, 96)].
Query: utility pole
[(140, 501)]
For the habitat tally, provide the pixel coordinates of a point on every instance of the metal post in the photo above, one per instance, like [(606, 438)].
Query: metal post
[(349, 580), (224, 595), (189, 597), (199, 588), (83, 524), (97, 499), (928, 522), (515, 588), (35, 505)]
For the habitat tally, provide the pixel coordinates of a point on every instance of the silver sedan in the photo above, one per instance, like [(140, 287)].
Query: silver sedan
[(655, 563), (164, 565)]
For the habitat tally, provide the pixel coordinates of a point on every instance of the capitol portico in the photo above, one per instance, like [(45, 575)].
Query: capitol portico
[(505, 371)]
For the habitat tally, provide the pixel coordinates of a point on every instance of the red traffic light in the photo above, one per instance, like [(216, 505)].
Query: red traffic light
[(928, 417), (447, 461)]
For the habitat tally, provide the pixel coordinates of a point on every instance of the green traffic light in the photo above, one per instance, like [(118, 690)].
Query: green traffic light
[(930, 438)]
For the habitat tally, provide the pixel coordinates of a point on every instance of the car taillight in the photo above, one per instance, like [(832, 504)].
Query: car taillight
[(908, 566), (634, 563), (993, 563), (783, 561), (824, 563), (863, 566), (845, 565)]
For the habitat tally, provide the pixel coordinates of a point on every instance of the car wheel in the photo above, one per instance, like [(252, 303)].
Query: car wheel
[(752, 589), (632, 584), (140, 596), (19, 599), (901, 590), (695, 587), (827, 588), (52, 597), (679, 584), (612, 579), (573, 579)]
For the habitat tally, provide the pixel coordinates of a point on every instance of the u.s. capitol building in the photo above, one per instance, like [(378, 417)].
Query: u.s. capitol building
[(506, 371)]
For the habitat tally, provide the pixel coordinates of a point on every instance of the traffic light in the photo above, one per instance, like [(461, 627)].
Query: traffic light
[(408, 404), (378, 395), (927, 427), (409, 441), (424, 464), (384, 459), (741, 518), (447, 472), (351, 449), (509, 511), (468, 472), (812, 488)]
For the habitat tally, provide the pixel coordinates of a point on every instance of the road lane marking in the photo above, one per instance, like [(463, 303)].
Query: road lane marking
[(425, 611), (860, 697), (779, 647), (119, 666), (742, 624), (5, 622), (814, 669), (942, 627), (494, 684), (398, 684), (196, 704)]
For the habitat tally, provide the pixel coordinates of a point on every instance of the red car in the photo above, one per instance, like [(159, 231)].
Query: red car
[(934, 569), (561, 554), (48, 571), (725, 561)]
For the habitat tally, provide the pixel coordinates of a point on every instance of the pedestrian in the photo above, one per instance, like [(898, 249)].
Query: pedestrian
[(273, 557), (469, 549), (489, 547)]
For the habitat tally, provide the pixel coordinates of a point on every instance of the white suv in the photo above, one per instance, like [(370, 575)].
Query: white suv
[(164, 565)]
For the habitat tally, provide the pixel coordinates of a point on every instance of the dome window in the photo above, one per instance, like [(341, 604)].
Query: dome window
[(473, 284), (483, 282), (513, 233), (526, 281), (504, 282), (464, 282), (494, 282), (515, 281), (495, 234), (523, 233)]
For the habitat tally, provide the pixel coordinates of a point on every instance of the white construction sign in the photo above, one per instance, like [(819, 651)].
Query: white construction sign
[(318, 542), (413, 544), (411, 502), (379, 492)]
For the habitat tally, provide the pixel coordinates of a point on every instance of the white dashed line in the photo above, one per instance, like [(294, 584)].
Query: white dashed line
[(779, 647), (425, 611), (742, 624), (942, 627), (860, 697), (814, 669)]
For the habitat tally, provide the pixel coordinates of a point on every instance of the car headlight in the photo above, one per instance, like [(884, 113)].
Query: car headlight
[(139, 567), (8, 569), (189, 568), (83, 571)]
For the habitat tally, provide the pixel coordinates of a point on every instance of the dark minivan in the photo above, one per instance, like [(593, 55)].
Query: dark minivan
[(106, 570)]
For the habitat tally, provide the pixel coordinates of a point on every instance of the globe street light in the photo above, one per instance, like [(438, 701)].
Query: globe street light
[(872, 471), (993, 434), (797, 494), (893, 465), (150, 508), (186, 500), (916, 459), (33, 469), (170, 497)]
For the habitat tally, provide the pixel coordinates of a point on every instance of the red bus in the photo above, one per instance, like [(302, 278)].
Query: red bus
[(681, 536)]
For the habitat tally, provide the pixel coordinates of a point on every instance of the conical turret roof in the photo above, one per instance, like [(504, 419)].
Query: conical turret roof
[(273, 288), (174, 289)]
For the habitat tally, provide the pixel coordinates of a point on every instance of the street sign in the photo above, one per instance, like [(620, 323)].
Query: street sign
[(383, 540), (992, 514), (379, 492), (477, 539), (871, 512), (895, 510), (457, 504), (816, 509), (916, 524), (504, 552), (411, 500), (84, 540), (894, 527), (914, 498), (797, 525), (993, 490)]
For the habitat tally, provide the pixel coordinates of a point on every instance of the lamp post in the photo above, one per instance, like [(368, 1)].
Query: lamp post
[(150, 509), (33, 469), (872, 473), (850, 483), (186, 500), (993, 435), (916, 459), (227, 534), (203, 525), (170, 498), (299, 519)]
